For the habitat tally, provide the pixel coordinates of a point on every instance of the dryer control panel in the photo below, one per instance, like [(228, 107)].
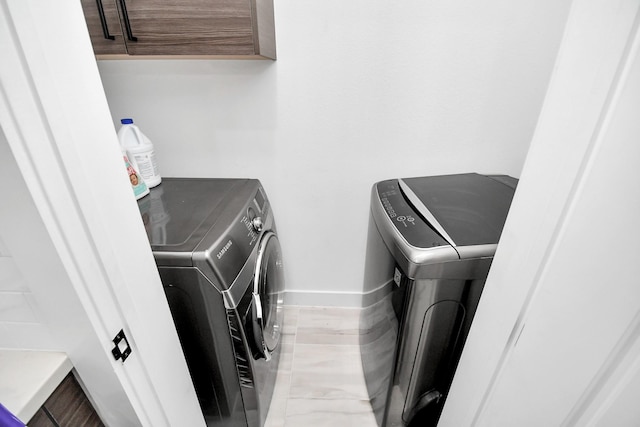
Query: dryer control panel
[(415, 230)]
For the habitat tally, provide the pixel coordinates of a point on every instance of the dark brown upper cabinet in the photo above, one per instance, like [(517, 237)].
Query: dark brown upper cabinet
[(188, 28)]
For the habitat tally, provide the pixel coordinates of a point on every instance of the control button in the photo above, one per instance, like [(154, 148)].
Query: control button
[(404, 219), (257, 224), (251, 213)]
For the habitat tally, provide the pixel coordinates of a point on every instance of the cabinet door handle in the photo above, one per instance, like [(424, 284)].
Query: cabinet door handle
[(103, 21), (127, 24)]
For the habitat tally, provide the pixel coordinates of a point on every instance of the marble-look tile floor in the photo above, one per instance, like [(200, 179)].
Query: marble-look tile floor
[(320, 381)]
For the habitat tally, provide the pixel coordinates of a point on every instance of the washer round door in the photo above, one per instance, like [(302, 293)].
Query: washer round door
[(268, 293)]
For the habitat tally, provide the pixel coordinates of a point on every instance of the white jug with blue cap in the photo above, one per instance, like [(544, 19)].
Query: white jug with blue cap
[(140, 152)]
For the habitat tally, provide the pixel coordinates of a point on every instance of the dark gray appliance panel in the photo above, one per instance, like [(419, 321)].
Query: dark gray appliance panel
[(415, 230), (179, 212), (200, 318), (472, 208), (419, 299)]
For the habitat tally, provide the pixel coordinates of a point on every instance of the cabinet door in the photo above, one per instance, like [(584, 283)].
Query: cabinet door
[(193, 27), (68, 406), (41, 419), (103, 23)]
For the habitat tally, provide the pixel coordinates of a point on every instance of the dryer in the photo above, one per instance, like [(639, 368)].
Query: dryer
[(217, 250), (430, 245)]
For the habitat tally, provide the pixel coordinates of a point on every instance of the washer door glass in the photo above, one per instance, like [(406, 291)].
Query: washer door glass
[(267, 307)]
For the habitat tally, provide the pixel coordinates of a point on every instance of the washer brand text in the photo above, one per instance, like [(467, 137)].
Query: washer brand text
[(224, 249)]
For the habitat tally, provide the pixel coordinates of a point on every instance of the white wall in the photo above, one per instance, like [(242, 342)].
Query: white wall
[(16, 313), (21, 324), (361, 91)]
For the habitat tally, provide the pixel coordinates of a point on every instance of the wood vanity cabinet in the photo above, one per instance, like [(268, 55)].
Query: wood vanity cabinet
[(225, 28), (67, 406)]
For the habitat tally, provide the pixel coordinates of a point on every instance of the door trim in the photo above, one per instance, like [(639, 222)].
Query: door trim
[(56, 121), (581, 94)]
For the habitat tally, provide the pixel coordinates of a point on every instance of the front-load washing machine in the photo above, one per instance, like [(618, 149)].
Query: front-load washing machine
[(217, 251), (430, 244)]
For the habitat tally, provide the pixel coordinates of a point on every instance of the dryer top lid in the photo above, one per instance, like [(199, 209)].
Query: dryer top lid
[(466, 209)]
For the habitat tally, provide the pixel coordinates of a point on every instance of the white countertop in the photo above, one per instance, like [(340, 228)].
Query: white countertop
[(27, 379)]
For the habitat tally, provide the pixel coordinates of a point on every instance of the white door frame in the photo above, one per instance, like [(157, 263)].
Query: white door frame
[(55, 118), (598, 48)]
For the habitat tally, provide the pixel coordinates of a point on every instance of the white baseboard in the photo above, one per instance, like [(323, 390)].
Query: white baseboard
[(324, 298)]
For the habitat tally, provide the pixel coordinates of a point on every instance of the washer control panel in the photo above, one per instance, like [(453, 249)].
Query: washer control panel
[(409, 223)]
